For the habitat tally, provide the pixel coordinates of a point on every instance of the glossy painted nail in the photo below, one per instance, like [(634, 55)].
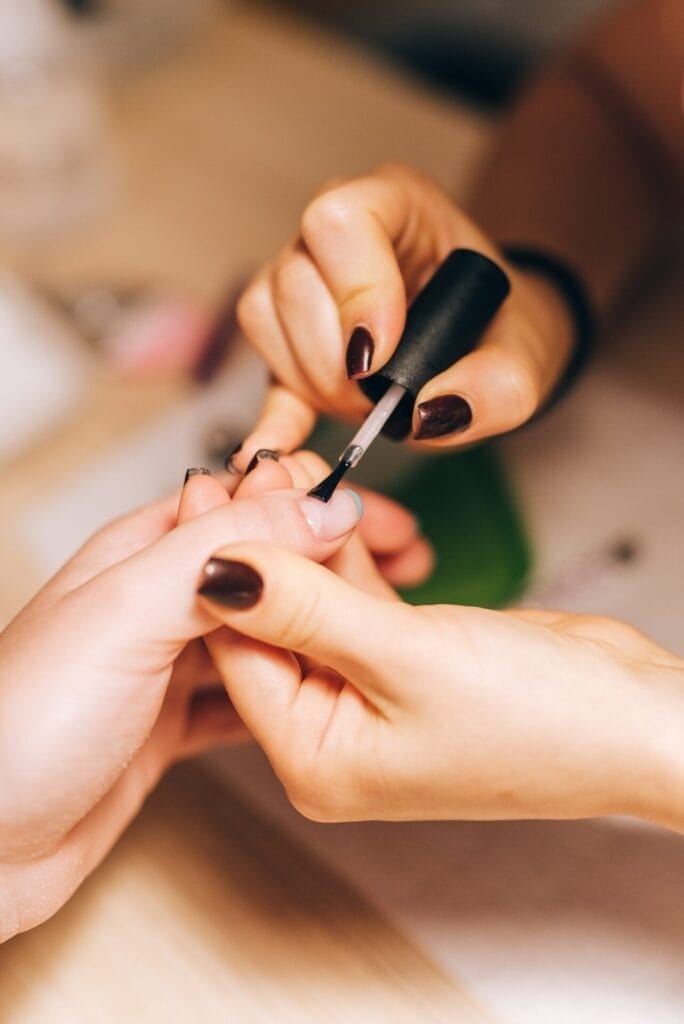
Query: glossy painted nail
[(228, 462), (230, 583), (263, 453), (446, 414), (359, 352), (332, 519), (195, 471)]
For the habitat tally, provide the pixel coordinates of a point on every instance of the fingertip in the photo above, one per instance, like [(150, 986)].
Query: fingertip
[(331, 520), (265, 472), (230, 583), (440, 416), (387, 526), (201, 493), (373, 324), (359, 355), (411, 567)]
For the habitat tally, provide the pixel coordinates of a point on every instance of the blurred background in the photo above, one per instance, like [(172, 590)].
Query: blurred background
[(111, 200), (153, 153)]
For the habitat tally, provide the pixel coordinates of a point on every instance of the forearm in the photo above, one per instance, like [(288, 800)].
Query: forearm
[(588, 165)]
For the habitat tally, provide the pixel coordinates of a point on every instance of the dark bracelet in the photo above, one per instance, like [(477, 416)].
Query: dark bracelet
[(578, 302)]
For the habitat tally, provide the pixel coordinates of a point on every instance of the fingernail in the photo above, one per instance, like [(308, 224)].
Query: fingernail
[(263, 453), (332, 519), (359, 352), (228, 463), (231, 584), (446, 414), (194, 472)]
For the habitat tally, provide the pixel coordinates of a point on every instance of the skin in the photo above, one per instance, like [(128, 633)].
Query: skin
[(591, 173), (365, 706), (371, 709), (451, 712), (103, 684)]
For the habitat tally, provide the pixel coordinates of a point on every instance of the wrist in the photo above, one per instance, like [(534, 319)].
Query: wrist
[(553, 324), (657, 790), (562, 306)]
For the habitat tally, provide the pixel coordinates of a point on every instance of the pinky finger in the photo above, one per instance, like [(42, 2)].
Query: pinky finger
[(410, 567), (212, 721)]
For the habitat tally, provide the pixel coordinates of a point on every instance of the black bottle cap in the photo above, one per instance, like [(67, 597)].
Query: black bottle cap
[(444, 323)]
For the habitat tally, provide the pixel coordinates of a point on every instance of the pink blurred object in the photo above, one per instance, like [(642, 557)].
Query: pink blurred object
[(159, 334)]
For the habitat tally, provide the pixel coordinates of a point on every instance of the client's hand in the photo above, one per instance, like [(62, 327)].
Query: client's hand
[(96, 696), (389, 711)]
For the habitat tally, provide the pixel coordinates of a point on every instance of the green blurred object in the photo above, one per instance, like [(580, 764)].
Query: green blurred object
[(465, 508)]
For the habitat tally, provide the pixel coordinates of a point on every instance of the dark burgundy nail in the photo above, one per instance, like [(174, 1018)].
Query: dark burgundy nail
[(228, 463), (359, 352), (263, 453), (194, 472), (232, 584), (446, 414)]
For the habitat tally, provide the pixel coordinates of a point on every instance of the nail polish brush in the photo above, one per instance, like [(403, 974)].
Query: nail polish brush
[(444, 322)]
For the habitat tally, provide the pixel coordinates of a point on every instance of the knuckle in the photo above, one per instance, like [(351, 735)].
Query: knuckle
[(320, 799), (613, 631), (307, 797), (300, 622), (327, 214), (291, 279), (252, 307)]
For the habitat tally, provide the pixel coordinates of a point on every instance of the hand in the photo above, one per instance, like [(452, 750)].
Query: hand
[(389, 711), (99, 692), (391, 533), (332, 305)]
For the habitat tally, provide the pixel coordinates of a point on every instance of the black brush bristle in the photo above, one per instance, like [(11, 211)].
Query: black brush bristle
[(325, 490)]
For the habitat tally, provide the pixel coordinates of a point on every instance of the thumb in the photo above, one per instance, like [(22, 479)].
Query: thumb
[(287, 601)]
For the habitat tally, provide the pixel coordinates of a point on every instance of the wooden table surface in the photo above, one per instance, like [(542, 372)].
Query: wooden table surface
[(204, 911)]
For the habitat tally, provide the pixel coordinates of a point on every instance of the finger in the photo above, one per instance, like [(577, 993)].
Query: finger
[(271, 595), (211, 721), (497, 387), (150, 597), (192, 669), (350, 232), (311, 322), (353, 562), (264, 473), (387, 527), (128, 625), (409, 567), (391, 531), (118, 540), (262, 680), (317, 730), (285, 422), (201, 493), (260, 321)]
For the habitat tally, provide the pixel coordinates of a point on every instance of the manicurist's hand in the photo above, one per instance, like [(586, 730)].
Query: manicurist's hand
[(102, 686), (330, 309), (393, 712)]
